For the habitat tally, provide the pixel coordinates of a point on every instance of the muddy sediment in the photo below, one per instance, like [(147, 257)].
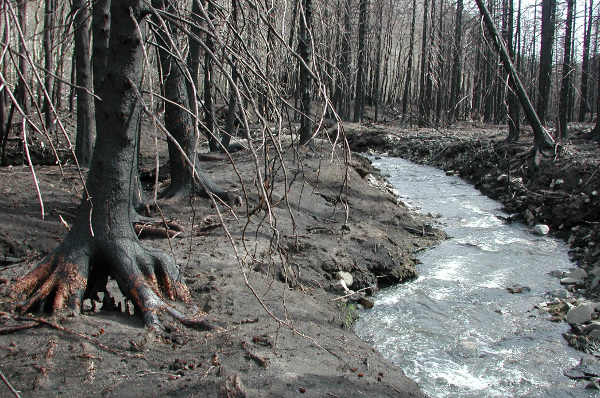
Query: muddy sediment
[(285, 320)]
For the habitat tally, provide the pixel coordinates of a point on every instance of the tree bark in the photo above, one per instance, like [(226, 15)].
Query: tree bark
[(305, 52), (49, 16), (180, 123), (457, 62), (102, 242), (425, 68), (545, 71), (22, 85), (567, 73), (543, 142), (100, 35), (359, 100), (212, 130), (411, 49), (514, 114), (85, 128), (584, 106)]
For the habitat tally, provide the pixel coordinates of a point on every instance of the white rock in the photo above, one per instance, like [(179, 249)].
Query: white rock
[(577, 273), (346, 277), (569, 281), (595, 282), (581, 314), (541, 230)]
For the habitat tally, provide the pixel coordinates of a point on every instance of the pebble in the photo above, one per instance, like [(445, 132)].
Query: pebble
[(541, 230), (367, 302)]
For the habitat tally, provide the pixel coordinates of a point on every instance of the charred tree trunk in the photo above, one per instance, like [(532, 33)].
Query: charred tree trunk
[(85, 129), (305, 52), (423, 100), (102, 242), (49, 15), (543, 142), (22, 85), (545, 72), (101, 35), (409, 67), (514, 112), (567, 75), (230, 120), (359, 100), (456, 64), (584, 106), (210, 120), (180, 123)]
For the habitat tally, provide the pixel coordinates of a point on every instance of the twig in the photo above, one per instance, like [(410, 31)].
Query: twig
[(351, 294), (10, 387), (14, 329)]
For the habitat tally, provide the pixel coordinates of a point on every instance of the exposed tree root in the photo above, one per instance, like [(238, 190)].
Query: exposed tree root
[(76, 271)]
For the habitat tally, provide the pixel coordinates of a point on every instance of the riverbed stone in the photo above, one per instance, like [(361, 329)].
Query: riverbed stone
[(569, 281), (541, 229), (577, 273), (581, 314), (560, 293)]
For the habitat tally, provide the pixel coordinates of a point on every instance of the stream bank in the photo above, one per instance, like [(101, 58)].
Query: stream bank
[(109, 353), (562, 192)]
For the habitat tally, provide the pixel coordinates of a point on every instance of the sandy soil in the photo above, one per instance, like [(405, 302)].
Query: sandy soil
[(274, 291)]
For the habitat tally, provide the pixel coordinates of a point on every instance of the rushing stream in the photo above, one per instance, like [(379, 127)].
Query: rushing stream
[(456, 330)]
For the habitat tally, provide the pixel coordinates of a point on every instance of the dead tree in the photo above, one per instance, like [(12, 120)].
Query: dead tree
[(85, 127), (542, 141), (567, 75), (101, 242)]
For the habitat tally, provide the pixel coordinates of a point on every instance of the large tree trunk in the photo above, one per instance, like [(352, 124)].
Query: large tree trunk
[(180, 123), (584, 106), (545, 73), (102, 242), (305, 52), (359, 101), (567, 73), (543, 142), (49, 16), (457, 63), (514, 114), (212, 130), (424, 102), (409, 67), (85, 128), (22, 85), (232, 102)]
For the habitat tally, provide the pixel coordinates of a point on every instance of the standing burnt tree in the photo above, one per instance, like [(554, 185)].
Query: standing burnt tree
[(85, 127), (545, 71), (101, 241), (359, 101), (305, 52), (567, 75)]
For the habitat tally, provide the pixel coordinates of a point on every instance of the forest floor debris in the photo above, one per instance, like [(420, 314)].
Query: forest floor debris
[(293, 271)]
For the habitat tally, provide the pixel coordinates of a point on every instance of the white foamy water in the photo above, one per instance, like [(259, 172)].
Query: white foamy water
[(456, 330)]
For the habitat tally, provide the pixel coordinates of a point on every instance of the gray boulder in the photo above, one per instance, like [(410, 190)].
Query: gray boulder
[(581, 314)]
